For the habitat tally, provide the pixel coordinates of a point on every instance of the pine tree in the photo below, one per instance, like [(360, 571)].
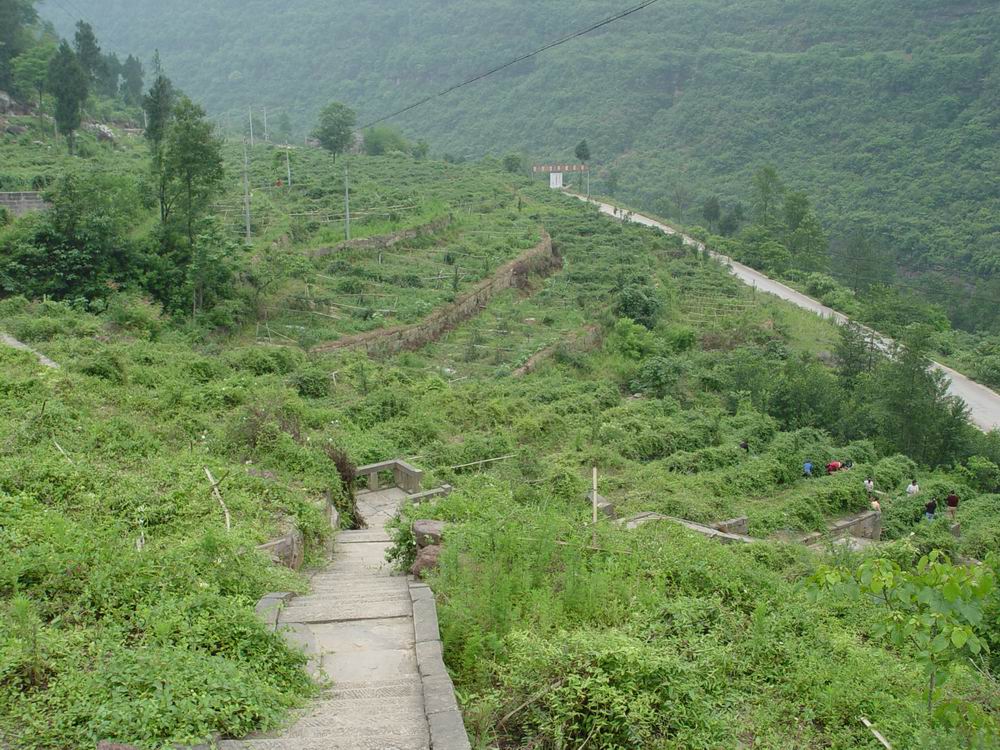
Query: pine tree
[(192, 161), (15, 15), (159, 106), (132, 75), (68, 83), (87, 49)]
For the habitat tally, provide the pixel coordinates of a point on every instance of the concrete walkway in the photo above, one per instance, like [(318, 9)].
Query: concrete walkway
[(359, 614), (983, 403), (12, 342)]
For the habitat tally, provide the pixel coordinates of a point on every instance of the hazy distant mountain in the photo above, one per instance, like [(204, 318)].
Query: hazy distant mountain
[(886, 112)]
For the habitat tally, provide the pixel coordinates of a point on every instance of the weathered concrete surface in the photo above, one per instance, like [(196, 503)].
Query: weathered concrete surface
[(358, 624), (740, 525), (15, 344), (984, 404), (642, 519), (867, 525), (288, 550)]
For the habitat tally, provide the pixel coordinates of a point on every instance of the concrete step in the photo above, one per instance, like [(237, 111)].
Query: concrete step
[(356, 597), (407, 727), (333, 741), (334, 611), (336, 583), (364, 536)]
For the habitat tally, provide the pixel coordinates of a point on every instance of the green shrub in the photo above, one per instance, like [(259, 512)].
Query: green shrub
[(312, 383), (106, 365), (135, 315)]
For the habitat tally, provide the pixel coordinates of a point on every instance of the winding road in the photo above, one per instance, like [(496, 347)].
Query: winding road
[(984, 404)]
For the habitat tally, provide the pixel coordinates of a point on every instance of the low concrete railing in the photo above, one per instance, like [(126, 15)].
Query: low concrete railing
[(408, 478)]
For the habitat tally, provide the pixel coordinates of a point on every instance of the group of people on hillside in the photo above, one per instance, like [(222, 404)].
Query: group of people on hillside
[(831, 468), (912, 490)]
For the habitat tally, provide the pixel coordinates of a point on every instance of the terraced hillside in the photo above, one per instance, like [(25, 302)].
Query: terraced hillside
[(127, 608)]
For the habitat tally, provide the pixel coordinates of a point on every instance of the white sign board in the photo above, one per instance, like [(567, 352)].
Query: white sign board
[(555, 180)]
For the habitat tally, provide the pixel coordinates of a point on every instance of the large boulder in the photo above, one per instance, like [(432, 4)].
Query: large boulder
[(428, 533), (427, 559)]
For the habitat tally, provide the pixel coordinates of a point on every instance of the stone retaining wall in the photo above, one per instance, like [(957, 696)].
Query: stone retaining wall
[(541, 259), (867, 525), (20, 204), (385, 241), (440, 705), (589, 339)]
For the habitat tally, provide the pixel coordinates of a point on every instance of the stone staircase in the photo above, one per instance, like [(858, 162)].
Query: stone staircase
[(390, 690)]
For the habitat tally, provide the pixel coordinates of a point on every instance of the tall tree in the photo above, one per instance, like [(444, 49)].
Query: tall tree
[(88, 51), (109, 75), (911, 405), (15, 16), (862, 263), (31, 73), (583, 151), (158, 105), (192, 163), (335, 131), (132, 75), (68, 83), (711, 211), (284, 129), (767, 190)]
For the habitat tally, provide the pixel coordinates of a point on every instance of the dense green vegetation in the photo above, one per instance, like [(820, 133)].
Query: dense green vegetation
[(187, 347), (112, 449), (884, 112)]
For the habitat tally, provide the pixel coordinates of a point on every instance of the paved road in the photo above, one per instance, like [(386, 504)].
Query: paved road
[(984, 404)]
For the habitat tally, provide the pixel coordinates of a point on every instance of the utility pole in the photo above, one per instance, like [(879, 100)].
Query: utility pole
[(266, 138), (288, 164), (588, 183), (250, 110), (246, 189), (347, 202)]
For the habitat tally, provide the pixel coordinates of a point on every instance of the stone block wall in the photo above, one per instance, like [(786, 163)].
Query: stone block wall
[(20, 204), (541, 259), (385, 241)]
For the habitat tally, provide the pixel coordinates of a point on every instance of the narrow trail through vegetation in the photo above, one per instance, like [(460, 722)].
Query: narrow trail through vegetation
[(12, 342)]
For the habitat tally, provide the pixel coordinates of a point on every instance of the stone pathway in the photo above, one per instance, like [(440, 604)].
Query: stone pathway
[(359, 616), (15, 344)]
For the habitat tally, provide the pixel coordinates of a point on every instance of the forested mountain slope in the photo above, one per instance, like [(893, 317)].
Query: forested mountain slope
[(885, 112)]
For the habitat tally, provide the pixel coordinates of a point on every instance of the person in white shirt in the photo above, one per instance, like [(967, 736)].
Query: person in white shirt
[(869, 485), (913, 489)]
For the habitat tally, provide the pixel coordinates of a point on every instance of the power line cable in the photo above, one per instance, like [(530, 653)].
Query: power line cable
[(515, 61)]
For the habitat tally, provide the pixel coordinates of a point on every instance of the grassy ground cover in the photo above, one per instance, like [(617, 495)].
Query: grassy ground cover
[(655, 640)]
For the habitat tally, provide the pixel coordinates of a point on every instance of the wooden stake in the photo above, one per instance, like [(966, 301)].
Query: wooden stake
[(878, 735), (65, 454), (593, 497), (218, 496)]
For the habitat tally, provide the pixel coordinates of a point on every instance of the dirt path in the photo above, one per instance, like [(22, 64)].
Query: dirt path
[(984, 404)]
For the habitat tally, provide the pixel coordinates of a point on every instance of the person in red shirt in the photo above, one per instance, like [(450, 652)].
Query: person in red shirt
[(952, 501), (833, 467)]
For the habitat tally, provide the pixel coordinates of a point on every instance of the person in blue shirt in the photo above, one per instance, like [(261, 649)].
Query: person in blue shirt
[(807, 469)]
